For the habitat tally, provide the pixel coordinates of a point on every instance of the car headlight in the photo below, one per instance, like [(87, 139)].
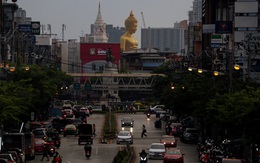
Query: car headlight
[(123, 122)]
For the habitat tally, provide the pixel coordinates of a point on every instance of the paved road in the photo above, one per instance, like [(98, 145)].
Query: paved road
[(104, 153), (71, 152), (153, 135)]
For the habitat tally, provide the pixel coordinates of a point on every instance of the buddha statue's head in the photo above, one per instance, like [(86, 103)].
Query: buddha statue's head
[(131, 22)]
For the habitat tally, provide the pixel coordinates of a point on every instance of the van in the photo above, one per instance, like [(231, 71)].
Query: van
[(231, 160)]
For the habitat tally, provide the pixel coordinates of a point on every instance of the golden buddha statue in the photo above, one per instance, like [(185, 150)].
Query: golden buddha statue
[(127, 40)]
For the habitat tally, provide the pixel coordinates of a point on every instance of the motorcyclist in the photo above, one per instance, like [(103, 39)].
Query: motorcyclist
[(143, 153), (88, 147), (56, 157)]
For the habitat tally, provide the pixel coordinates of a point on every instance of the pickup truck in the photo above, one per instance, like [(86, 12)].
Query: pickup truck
[(85, 133)]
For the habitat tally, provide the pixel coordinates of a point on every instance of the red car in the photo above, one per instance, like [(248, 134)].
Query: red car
[(39, 145), (168, 141), (173, 155)]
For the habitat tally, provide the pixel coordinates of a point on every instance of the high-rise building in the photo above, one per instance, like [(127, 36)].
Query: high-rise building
[(114, 33), (74, 62), (164, 39)]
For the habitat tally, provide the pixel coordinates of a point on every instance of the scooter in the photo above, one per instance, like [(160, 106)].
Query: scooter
[(57, 160), (143, 158), (88, 153), (148, 115)]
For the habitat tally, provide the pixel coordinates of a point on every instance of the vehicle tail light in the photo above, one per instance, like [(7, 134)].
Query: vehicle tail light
[(65, 129), (10, 160)]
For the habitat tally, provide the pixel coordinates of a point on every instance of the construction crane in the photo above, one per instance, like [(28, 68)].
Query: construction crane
[(143, 19)]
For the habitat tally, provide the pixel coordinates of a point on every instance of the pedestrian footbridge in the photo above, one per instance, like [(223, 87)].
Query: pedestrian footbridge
[(115, 81)]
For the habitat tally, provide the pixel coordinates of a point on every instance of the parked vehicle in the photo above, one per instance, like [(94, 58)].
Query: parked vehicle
[(156, 151), (124, 136), (8, 156), (85, 133), (190, 135), (16, 156), (15, 140)]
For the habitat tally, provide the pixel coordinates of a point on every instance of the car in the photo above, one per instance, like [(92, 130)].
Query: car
[(70, 129), (67, 113), (8, 156), (124, 136), (156, 151), (39, 145), (96, 107), (177, 129), (173, 155), (168, 141), (190, 135), (86, 110), (76, 121), (3, 160), (40, 133), (16, 156), (127, 121), (157, 108)]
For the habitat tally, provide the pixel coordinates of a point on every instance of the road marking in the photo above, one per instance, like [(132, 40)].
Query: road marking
[(97, 150)]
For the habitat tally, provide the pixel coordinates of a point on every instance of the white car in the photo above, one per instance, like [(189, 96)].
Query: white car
[(156, 151), (157, 108), (124, 136)]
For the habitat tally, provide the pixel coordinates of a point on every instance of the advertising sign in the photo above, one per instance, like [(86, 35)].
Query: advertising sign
[(36, 28), (25, 28), (93, 56), (224, 27)]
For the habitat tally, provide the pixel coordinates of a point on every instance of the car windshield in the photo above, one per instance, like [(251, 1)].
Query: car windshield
[(127, 119), (124, 134), (173, 152), (70, 126), (39, 133), (157, 146), (167, 138)]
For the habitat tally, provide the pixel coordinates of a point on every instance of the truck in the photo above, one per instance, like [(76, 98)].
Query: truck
[(15, 141), (85, 133)]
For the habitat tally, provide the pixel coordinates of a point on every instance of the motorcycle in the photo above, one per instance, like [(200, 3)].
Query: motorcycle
[(148, 115), (57, 160), (88, 153), (57, 143), (143, 158)]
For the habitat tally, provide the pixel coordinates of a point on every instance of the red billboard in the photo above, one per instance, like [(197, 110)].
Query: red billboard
[(93, 56)]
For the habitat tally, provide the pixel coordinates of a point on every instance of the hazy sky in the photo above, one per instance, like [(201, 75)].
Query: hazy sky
[(78, 15)]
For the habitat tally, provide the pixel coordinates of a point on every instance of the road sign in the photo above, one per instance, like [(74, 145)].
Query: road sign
[(216, 40), (32, 116), (25, 28), (88, 86), (76, 86)]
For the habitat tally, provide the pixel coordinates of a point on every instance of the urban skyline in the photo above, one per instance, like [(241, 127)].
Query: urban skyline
[(165, 16)]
